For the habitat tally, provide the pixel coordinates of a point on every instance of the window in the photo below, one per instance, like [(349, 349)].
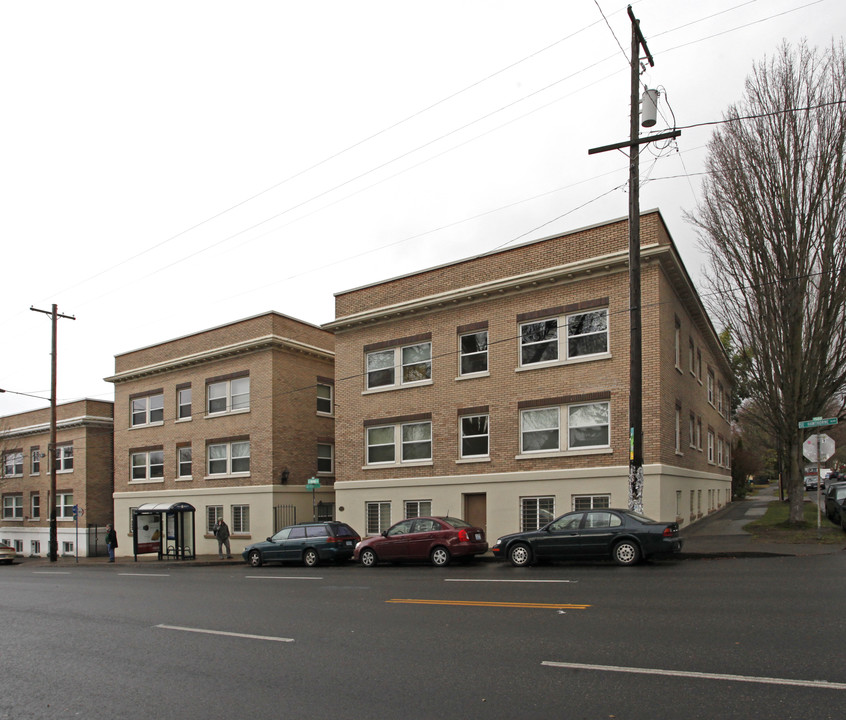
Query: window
[(213, 514), (691, 357), (411, 442), (325, 458), (678, 503), (720, 451), (475, 436), (378, 517), (67, 548), (64, 506), (35, 461), (699, 433), (13, 463), (240, 518), (324, 399), (591, 502), (699, 365), (147, 465), (418, 508), (148, 410), (678, 349), (586, 335), (228, 395), (720, 398), (183, 403), (64, 458), (13, 507), (411, 364), (691, 430), (35, 548), (35, 507), (229, 458), (710, 446), (183, 461), (678, 429), (535, 512), (473, 349), (710, 387), (588, 426)]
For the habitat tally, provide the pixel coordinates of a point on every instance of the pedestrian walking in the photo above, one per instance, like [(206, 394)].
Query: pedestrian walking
[(111, 541), (221, 532)]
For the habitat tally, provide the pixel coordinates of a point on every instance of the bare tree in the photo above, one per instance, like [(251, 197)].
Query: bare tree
[(772, 221)]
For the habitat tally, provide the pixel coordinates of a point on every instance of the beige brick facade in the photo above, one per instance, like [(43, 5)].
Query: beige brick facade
[(83, 477), (251, 424), (578, 277)]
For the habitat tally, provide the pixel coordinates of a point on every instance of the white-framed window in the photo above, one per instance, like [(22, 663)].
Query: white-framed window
[(417, 508), (147, 465), (67, 548), (710, 387), (229, 458), (691, 430), (475, 435), (720, 451), (35, 548), (473, 353), (699, 433), (213, 514), (64, 458), (183, 403), (325, 458), (591, 502), (399, 366), (678, 348), (728, 453), (35, 461), (184, 457), (147, 410), (228, 396), (535, 512), (240, 518), (692, 357), (587, 426), (35, 506), (64, 506), (13, 507), (699, 365), (720, 398), (400, 443), (378, 517), (324, 399), (584, 334), (678, 429), (710, 446), (13, 463)]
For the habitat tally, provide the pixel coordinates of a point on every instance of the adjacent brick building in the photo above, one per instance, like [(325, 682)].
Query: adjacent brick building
[(233, 421), (496, 388), (83, 458)]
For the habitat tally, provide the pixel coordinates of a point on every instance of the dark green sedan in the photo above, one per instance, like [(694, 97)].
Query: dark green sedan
[(309, 543)]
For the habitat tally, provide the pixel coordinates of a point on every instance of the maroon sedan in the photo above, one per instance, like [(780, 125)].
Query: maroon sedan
[(436, 539)]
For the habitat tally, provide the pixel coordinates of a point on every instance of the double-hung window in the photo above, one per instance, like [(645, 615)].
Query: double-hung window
[(64, 506), (64, 458), (147, 465), (183, 402), (183, 461), (229, 458), (473, 349), (583, 334), (710, 387), (35, 506), (325, 458), (404, 442), (228, 395), (475, 436), (585, 426), (399, 366), (147, 410), (710, 446), (35, 461), (13, 463), (13, 507), (324, 398)]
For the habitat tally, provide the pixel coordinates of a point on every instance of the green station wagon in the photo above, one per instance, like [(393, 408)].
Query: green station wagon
[(309, 543)]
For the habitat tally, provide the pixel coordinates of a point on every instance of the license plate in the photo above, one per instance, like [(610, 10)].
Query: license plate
[(478, 536), (348, 542)]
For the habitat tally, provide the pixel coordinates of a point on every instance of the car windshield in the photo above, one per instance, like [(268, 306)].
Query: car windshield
[(456, 522)]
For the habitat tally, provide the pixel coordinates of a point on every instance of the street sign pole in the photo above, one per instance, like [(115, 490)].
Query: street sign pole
[(818, 422)]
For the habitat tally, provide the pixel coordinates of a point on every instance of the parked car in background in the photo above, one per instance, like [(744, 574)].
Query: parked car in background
[(436, 539), (835, 497), (622, 535), (309, 543), (7, 554)]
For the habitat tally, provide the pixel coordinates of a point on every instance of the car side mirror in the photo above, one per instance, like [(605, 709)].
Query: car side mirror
[(270, 539), (384, 533)]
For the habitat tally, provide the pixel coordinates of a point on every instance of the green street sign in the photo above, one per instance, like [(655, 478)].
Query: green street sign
[(817, 422), (312, 483)]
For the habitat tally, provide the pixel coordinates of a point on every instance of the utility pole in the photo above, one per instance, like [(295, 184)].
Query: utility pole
[(51, 450), (636, 347)]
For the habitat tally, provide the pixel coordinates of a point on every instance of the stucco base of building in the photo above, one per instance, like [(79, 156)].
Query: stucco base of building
[(670, 494), (82, 541), (270, 507)]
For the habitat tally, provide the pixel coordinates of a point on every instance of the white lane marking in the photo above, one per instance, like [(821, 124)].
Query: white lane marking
[(51, 572), (823, 684), (223, 632), (144, 574), (507, 581), (280, 577)]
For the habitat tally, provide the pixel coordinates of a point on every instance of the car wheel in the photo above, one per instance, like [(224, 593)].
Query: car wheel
[(439, 556), (310, 557), (626, 553), (367, 557), (254, 558), (520, 555)]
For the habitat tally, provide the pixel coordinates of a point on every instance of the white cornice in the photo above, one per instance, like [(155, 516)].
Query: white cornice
[(79, 421), (247, 346)]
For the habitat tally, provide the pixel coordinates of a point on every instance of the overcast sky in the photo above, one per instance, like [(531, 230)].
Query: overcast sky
[(168, 167)]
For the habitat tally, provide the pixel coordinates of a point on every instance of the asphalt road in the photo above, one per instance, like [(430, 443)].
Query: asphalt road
[(728, 638)]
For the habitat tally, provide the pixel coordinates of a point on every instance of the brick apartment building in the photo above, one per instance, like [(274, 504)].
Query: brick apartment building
[(83, 458), (496, 388), (232, 421)]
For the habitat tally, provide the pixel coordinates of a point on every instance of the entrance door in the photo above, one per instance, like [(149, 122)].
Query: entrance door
[(476, 510)]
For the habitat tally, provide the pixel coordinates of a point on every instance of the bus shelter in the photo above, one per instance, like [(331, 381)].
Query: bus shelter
[(164, 528)]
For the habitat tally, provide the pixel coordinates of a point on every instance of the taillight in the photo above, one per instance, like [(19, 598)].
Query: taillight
[(463, 536), (669, 532)]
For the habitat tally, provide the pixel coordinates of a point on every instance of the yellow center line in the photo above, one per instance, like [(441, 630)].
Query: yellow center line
[(479, 603)]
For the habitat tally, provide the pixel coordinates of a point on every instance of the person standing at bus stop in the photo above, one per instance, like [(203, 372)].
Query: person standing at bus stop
[(221, 531), (111, 541)]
